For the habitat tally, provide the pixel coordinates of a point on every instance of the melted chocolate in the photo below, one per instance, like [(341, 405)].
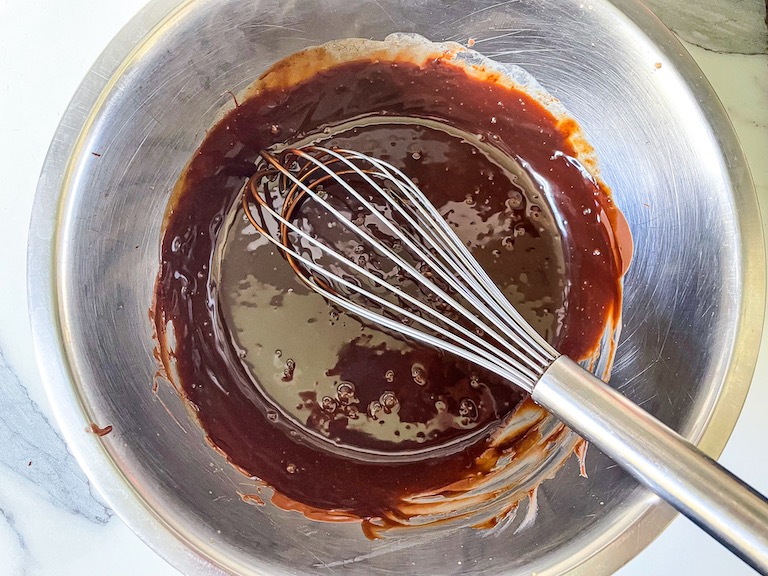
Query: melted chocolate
[(316, 404)]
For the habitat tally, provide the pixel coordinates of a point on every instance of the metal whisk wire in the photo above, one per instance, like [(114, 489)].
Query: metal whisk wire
[(676, 470), (519, 353), (457, 252)]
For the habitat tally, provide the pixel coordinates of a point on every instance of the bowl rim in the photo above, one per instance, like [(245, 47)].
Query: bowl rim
[(617, 545)]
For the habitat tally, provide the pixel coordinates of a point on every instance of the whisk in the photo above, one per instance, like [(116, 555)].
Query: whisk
[(397, 263)]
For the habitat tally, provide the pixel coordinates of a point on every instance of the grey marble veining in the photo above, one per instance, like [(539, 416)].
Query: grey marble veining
[(35, 451), (10, 520), (730, 26)]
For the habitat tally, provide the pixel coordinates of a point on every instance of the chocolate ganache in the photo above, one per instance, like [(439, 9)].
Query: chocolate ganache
[(343, 420)]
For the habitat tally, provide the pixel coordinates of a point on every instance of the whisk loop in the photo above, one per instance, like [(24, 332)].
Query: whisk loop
[(445, 299), (458, 308)]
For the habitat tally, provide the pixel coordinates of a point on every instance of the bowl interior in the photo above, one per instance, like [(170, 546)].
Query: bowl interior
[(660, 150)]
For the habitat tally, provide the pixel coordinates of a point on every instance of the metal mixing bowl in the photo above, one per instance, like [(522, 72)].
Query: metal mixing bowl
[(693, 302)]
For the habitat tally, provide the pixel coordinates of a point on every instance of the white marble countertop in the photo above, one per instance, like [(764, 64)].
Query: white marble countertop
[(51, 521)]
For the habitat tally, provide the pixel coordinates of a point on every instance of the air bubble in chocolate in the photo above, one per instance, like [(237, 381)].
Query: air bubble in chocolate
[(373, 409), (328, 404), (388, 401), (515, 200), (345, 392), (290, 367), (468, 409), (419, 374)]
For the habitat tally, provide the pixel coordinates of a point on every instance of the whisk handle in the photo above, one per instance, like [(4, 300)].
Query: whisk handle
[(697, 486)]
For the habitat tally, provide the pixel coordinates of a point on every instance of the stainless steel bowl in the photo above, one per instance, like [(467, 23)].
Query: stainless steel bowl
[(693, 301)]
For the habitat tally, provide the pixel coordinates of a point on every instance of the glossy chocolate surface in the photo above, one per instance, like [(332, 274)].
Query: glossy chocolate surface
[(316, 404)]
